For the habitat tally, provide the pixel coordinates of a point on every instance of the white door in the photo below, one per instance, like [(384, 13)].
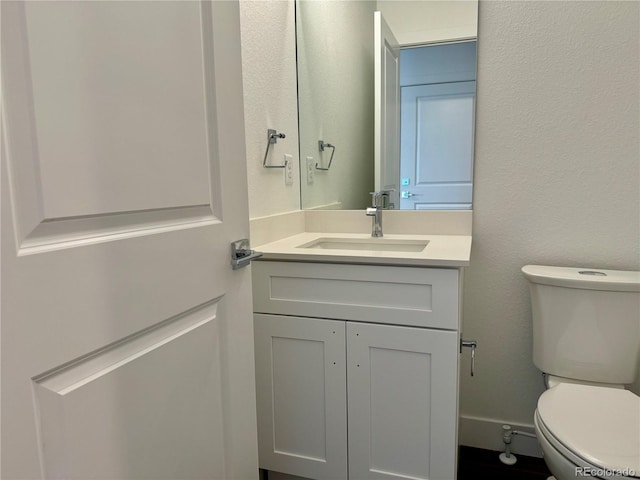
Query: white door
[(403, 409), (436, 166), (386, 109), (127, 349), (302, 397)]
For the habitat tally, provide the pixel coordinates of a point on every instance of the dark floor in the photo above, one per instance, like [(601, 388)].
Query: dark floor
[(474, 463)]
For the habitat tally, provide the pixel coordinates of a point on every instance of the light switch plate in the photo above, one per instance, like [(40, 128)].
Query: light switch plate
[(288, 170), (311, 167)]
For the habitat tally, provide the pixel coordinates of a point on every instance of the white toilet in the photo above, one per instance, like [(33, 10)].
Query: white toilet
[(586, 341)]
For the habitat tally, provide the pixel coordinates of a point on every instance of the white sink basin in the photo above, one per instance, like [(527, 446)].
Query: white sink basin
[(371, 244)]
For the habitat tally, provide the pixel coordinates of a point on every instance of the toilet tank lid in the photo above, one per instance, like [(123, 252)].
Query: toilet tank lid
[(588, 278)]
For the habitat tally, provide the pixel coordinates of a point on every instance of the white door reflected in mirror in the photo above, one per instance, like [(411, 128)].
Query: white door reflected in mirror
[(438, 87)]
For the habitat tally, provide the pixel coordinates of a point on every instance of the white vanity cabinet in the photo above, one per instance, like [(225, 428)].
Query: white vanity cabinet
[(357, 370)]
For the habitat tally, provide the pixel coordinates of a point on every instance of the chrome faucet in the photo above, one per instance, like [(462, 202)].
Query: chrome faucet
[(375, 211)]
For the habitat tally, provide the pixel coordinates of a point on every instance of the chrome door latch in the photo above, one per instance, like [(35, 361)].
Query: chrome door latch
[(472, 344), (241, 254)]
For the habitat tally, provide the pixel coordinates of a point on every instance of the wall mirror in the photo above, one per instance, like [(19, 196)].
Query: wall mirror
[(386, 102)]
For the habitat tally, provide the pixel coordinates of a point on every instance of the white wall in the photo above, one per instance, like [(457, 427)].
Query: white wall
[(557, 175), (269, 82), (335, 51), (415, 22)]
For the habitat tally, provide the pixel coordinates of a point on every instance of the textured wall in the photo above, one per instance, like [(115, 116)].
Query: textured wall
[(269, 82), (557, 174)]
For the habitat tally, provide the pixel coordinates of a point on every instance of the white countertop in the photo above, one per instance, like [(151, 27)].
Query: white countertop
[(441, 250)]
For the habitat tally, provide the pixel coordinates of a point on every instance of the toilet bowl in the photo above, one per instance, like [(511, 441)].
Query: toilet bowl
[(588, 431)]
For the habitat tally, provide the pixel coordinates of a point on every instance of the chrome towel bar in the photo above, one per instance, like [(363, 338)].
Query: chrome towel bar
[(272, 137), (321, 146)]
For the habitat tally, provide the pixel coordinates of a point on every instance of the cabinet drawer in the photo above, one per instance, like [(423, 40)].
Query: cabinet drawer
[(422, 297)]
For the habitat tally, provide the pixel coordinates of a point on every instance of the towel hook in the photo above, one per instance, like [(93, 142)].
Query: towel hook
[(272, 137), (322, 145)]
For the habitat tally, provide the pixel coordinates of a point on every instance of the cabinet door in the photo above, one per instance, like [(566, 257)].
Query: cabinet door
[(301, 396), (403, 402)]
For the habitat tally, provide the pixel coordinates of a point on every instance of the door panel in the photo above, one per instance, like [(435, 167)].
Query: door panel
[(123, 140), (109, 402), (99, 120), (402, 395), (302, 407), (437, 145), (126, 337)]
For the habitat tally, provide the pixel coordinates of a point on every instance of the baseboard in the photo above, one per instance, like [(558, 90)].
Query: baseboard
[(487, 433)]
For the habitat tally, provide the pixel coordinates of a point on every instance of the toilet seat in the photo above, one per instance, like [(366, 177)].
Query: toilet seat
[(551, 381), (594, 427)]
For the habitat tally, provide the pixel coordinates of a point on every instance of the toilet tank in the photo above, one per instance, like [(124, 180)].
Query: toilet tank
[(586, 323)]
